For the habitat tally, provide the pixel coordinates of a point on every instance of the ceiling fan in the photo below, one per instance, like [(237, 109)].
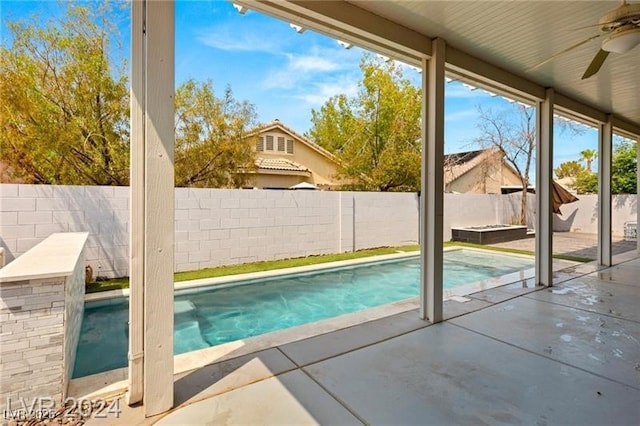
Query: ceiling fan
[(621, 27)]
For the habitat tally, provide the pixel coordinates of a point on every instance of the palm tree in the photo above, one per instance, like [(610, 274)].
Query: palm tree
[(588, 155)]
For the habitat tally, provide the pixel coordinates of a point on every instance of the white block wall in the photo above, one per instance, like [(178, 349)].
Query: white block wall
[(380, 218), (582, 216), (212, 226), (220, 227), (30, 213), (470, 210)]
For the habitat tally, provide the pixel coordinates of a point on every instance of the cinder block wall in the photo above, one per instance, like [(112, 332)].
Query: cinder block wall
[(222, 227), (212, 226), (30, 213), (582, 216), (470, 210), (384, 219)]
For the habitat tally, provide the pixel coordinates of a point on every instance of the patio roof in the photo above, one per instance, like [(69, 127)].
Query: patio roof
[(493, 44), (516, 36)]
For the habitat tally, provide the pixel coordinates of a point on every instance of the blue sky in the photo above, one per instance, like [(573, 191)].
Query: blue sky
[(286, 74)]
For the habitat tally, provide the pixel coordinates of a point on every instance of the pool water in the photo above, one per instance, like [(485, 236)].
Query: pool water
[(210, 316)]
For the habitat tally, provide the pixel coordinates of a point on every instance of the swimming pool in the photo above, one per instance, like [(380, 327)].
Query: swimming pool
[(209, 316)]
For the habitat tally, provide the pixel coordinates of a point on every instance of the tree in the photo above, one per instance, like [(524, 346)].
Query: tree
[(513, 131), (588, 155), (213, 148), (624, 165), (375, 133), (569, 169), (64, 108)]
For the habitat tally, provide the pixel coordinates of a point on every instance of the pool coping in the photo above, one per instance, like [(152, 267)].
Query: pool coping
[(114, 382), (228, 279)]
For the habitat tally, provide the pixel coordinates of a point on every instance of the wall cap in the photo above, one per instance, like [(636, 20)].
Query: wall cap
[(56, 256)]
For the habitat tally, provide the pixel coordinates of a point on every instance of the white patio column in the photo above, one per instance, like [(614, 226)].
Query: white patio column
[(638, 192), (136, 208), (544, 210), (432, 199), (605, 135), (152, 206)]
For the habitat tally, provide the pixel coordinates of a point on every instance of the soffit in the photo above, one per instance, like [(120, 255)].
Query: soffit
[(517, 35)]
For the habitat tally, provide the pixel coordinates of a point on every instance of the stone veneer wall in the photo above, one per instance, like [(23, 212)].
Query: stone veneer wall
[(74, 290), (40, 324), (31, 355)]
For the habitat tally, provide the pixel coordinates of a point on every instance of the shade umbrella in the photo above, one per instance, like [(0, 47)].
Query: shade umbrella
[(561, 196), (304, 185)]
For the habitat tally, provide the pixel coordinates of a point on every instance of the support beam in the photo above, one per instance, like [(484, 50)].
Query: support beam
[(350, 23), (152, 192), (605, 136), (544, 207), (625, 127), (585, 112), (477, 69), (638, 191), (432, 198)]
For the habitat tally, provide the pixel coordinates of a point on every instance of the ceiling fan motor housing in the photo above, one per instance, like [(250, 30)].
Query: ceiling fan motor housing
[(626, 14), (624, 25), (622, 40)]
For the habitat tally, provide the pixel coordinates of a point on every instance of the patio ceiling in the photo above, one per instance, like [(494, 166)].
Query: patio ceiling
[(517, 36), (501, 35)]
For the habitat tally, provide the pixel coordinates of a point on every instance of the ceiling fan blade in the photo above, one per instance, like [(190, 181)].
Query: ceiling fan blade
[(595, 64), (568, 49)]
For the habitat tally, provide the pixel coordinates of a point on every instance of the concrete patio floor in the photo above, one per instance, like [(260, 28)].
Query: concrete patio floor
[(574, 244), (514, 354)]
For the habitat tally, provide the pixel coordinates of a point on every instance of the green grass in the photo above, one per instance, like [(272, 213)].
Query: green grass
[(121, 283)]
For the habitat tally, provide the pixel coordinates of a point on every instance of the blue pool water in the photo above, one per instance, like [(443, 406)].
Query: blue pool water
[(210, 316)]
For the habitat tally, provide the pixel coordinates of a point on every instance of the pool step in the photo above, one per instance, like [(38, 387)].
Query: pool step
[(187, 331)]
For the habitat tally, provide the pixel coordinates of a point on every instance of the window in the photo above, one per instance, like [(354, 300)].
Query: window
[(289, 146), (269, 143), (280, 144), (260, 144)]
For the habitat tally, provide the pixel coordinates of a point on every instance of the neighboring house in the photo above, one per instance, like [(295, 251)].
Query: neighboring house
[(285, 158), (482, 172), (569, 183)]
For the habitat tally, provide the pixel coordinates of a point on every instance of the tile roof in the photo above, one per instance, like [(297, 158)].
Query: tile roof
[(456, 165), (280, 164)]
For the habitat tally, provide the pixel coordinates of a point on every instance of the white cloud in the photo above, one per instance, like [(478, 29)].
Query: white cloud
[(311, 63), (230, 38), (318, 93), (308, 67)]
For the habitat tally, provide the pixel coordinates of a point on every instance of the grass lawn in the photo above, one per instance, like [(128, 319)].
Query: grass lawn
[(120, 283)]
